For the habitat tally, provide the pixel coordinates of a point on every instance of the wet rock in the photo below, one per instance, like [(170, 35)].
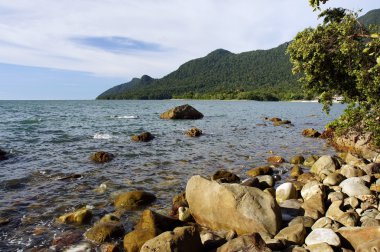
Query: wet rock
[(286, 191), (350, 171), (275, 119), (232, 206), (307, 177), (149, 226), (101, 157), (310, 133), (194, 132), (295, 171), (3, 155), (225, 176), (333, 179), (133, 199), (309, 161), (186, 239), (294, 234), (261, 170), (320, 247), (82, 247), (359, 235), (251, 243), (109, 247), (182, 112), (354, 187), (326, 222), (79, 217), (297, 160), (66, 239), (282, 122), (324, 166), (143, 137), (275, 159), (320, 235), (105, 231), (327, 134)]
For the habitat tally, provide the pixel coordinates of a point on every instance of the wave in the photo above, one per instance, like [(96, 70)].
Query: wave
[(102, 136), (126, 117)]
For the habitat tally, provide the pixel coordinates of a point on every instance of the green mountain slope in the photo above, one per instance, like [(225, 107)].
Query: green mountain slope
[(258, 75)]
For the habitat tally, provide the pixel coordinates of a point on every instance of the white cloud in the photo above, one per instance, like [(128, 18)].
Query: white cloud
[(40, 32)]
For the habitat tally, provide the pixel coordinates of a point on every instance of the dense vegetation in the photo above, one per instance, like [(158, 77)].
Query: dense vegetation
[(258, 75), (342, 57)]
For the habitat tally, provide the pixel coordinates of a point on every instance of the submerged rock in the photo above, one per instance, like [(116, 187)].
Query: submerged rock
[(310, 133), (194, 132), (3, 155), (275, 159), (232, 206), (133, 199), (182, 112), (143, 137), (101, 157), (78, 217), (105, 231)]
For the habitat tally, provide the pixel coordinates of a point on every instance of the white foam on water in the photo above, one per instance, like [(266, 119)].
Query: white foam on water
[(102, 136), (127, 117)]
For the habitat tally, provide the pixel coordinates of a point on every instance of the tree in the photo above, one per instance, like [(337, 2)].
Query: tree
[(342, 57)]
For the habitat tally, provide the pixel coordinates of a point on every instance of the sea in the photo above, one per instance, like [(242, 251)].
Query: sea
[(49, 171)]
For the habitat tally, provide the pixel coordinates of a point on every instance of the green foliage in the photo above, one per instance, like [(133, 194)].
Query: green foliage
[(340, 57)]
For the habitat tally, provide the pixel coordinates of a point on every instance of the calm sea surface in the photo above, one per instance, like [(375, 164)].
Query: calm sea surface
[(50, 140)]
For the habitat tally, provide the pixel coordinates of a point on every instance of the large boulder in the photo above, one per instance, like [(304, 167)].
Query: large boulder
[(185, 239), (231, 206), (357, 236), (182, 112)]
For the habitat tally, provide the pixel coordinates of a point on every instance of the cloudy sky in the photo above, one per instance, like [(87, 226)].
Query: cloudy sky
[(76, 49)]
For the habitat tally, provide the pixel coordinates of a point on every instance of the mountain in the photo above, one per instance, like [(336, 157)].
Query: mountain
[(257, 75)]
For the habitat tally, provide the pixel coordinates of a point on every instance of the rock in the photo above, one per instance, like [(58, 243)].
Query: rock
[(194, 132), (350, 171), (306, 178), (149, 226), (178, 201), (275, 119), (184, 214), (184, 239), (251, 182), (309, 161), (265, 181), (232, 206), (335, 196), (143, 137), (4, 221), (3, 155), (105, 231), (225, 176), (66, 239), (295, 171), (311, 189), (275, 159), (333, 179), (348, 219), (371, 169), (310, 133), (375, 188), (297, 160), (354, 187), (324, 166), (351, 202), (101, 157), (79, 217), (370, 246), (282, 122), (291, 209), (320, 247), (82, 247), (326, 222), (327, 134), (368, 222), (359, 235), (320, 235), (249, 243), (286, 191), (294, 234), (134, 199), (307, 222), (109, 247), (261, 170), (182, 112), (211, 240), (354, 160), (314, 206)]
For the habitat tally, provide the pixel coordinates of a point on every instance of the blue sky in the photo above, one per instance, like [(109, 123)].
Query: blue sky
[(77, 49)]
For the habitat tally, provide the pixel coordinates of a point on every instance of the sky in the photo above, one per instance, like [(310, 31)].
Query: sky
[(76, 49)]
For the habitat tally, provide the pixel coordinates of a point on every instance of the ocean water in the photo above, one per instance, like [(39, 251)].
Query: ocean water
[(49, 141)]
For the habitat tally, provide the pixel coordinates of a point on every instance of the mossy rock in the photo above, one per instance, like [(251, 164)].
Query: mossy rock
[(261, 170), (133, 199), (101, 157), (105, 231), (297, 160), (275, 159), (79, 217)]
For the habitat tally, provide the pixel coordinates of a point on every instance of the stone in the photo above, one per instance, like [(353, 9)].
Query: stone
[(290, 209), (184, 214), (370, 246), (351, 202), (333, 179), (375, 188), (212, 239), (133, 199), (350, 171), (286, 191), (359, 235), (66, 239), (186, 239), (82, 247), (182, 112), (309, 161), (143, 137), (294, 234), (314, 206), (307, 222), (298, 160), (101, 157), (282, 122), (224, 176), (232, 206), (348, 219), (320, 235), (194, 132), (310, 132), (109, 247), (335, 196), (311, 189), (79, 217), (275, 119), (328, 133), (326, 222), (3, 155), (251, 182), (275, 159), (265, 181), (261, 170), (371, 169), (306, 177), (320, 247), (353, 160), (105, 231), (369, 222), (178, 201), (354, 187), (250, 243), (324, 166), (295, 171)]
